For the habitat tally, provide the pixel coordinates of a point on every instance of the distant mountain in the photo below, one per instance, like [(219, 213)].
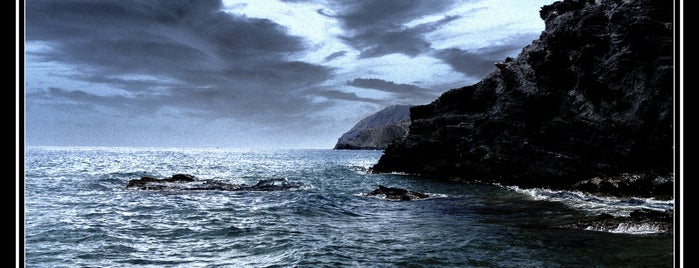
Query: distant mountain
[(592, 97), (378, 130)]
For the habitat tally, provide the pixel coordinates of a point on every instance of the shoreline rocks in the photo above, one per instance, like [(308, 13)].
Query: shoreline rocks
[(639, 221), (638, 185)]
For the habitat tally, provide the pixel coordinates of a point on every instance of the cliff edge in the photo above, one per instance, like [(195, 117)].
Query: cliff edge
[(592, 97)]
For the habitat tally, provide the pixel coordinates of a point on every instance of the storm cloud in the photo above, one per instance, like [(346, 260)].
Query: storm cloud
[(207, 55), (480, 62), (400, 91), (335, 55), (246, 73), (377, 28)]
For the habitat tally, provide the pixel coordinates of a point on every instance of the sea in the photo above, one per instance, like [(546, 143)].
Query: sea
[(78, 212)]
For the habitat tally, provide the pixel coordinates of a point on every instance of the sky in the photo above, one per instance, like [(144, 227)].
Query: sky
[(252, 73)]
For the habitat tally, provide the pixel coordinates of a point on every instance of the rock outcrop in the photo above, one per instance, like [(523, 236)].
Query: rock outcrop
[(378, 130), (398, 194), (639, 185), (150, 183), (639, 221), (188, 182), (592, 97)]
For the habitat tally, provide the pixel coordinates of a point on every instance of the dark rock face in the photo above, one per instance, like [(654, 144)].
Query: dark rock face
[(641, 185), (187, 182), (392, 193), (592, 97), (378, 130), (150, 183), (643, 220)]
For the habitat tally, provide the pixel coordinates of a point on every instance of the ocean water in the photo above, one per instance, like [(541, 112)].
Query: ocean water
[(79, 213)]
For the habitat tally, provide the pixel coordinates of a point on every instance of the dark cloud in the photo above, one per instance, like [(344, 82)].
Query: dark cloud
[(130, 85), (335, 55), (480, 62), (81, 102), (115, 71), (376, 27), (81, 19), (197, 57), (404, 92), (384, 85), (82, 96), (360, 15), (346, 96), (407, 41)]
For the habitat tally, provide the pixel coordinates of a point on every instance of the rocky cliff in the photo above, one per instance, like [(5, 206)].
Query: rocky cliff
[(378, 130), (592, 97)]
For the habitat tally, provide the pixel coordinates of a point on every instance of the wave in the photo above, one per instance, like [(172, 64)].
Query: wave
[(358, 169), (638, 228), (383, 197), (616, 206)]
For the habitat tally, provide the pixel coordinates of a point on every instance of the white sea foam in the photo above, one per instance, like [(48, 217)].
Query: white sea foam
[(359, 169), (595, 205), (630, 228), (383, 197), (616, 206), (640, 228)]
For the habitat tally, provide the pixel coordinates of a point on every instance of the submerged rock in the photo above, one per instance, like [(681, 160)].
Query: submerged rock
[(187, 182), (397, 193), (592, 97), (639, 221)]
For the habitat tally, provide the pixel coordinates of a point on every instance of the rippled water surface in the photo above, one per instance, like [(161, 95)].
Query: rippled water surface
[(79, 214)]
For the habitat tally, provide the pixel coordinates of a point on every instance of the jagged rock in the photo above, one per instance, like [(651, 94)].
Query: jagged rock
[(274, 185), (376, 131), (641, 185), (268, 185), (150, 183), (397, 194), (643, 220), (187, 182), (592, 97)]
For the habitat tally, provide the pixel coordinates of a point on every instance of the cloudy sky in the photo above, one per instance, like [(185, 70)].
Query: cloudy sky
[(253, 73)]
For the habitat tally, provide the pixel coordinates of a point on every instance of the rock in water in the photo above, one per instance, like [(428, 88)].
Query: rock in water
[(593, 96), (376, 131), (187, 183), (392, 193), (150, 183)]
